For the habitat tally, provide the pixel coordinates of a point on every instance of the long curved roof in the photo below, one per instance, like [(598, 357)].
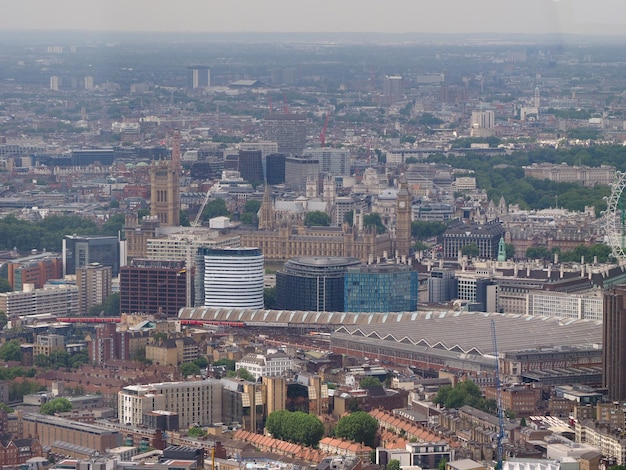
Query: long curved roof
[(453, 331)]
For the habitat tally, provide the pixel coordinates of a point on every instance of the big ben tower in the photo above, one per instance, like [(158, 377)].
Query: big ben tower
[(165, 187), (403, 219)]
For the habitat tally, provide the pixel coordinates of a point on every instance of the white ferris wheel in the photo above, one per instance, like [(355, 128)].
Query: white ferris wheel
[(615, 218)]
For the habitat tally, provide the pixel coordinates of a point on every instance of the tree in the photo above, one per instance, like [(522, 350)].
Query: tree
[(295, 426), (522, 423), (196, 432), (374, 221), (229, 364), (159, 336), (5, 286), (215, 208), (110, 307), (464, 393), (539, 252), (359, 427), (58, 405), (189, 368), (11, 351), (3, 319), (242, 373), (348, 218), (370, 382), (317, 218), (470, 250), (393, 465), (201, 362), (510, 250), (269, 297), (423, 230)]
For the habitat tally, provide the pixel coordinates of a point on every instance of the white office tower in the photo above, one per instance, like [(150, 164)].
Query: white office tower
[(229, 277)]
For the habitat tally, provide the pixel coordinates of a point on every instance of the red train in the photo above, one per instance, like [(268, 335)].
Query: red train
[(232, 324)]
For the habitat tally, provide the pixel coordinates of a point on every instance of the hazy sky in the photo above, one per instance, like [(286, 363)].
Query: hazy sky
[(420, 16)]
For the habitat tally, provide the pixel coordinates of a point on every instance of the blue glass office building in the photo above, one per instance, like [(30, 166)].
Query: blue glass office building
[(380, 288)]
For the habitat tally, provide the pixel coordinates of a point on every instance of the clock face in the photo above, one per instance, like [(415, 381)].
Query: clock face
[(402, 204)]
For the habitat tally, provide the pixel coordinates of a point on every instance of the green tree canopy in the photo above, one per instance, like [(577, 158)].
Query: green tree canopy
[(422, 230), (5, 286), (373, 220), (215, 208), (201, 362), (189, 368), (470, 250), (196, 432), (11, 351), (393, 465), (295, 426), (317, 218), (229, 364), (58, 405), (370, 382), (110, 307), (359, 427), (241, 373), (464, 393)]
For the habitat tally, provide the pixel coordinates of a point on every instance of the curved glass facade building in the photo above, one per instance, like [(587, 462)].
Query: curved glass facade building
[(313, 284), (229, 277)]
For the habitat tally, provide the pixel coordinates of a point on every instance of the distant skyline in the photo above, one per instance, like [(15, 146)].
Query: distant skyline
[(603, 17)]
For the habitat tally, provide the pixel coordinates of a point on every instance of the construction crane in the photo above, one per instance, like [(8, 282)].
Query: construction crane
[(500, 435), (323, 133), (196, 221)]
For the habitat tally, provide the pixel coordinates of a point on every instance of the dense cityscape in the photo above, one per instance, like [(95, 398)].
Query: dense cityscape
[(331, 251)]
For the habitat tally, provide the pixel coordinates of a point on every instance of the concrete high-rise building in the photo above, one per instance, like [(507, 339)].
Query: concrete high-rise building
[(333, 161), (153, 286), (61, 300), (298, 170), (276, 390), (288, 131), (94, 285), (165, 187), (614, 343), (483, 119), (89, 83), (392, 88), (198, 76), (55, 83), (229, 278), (197, 402), (313, 284), (82, 250)]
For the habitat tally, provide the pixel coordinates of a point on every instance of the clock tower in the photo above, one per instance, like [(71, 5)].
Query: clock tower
[(403, 219)]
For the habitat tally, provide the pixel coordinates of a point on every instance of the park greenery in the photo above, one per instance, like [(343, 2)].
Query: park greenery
[(464, 393), (215, 208), (422, 230), (249, 214), (358, 427), (189, 368), (59, 359), (241, 373), (373, 221), (370, 382), (603, 252), (11, 351), (317, 219), (295, 426), (57, 405), (503, 175), (109, 308), (197, 432)]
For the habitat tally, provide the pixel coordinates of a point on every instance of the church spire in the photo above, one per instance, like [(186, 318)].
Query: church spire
[(266, 213)]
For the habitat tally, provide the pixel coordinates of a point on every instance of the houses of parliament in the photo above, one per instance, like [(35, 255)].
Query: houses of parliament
[(282, 240)]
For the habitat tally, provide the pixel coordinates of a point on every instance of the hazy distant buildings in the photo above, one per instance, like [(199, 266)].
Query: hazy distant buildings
[(55, 83), (299, 170), (198, 76), (563, 173), (392, 89), (483, 120), (89, 82), (251, 166), (333, 161), (288, 131)]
